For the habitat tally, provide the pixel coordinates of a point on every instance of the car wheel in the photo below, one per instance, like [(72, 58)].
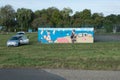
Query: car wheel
[(18, 44)]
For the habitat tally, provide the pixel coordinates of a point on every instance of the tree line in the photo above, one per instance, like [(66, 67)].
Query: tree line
[(24, 19)]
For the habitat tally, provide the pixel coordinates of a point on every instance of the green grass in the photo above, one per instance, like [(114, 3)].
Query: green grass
[(96, 56)]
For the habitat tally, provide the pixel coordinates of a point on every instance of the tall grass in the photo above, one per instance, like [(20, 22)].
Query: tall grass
[(96, 56)]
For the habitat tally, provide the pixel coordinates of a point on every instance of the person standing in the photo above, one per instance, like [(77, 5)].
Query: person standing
[(73, 36)]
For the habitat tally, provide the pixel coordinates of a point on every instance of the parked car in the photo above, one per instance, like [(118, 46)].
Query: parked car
[(17, 40), (20, 33)]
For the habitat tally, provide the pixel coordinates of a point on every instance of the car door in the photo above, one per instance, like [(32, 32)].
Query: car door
[(21, 40), (25, 40)]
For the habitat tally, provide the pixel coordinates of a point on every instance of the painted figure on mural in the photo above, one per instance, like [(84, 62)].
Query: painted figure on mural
[(48, 37), (73, 36)]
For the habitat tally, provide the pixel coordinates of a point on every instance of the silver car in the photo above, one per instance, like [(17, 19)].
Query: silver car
[(17, 40)]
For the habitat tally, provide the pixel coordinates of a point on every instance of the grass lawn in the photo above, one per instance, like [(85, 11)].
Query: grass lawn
[(96, 56)]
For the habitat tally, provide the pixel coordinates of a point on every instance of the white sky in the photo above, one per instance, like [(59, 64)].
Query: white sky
[(101, 6)]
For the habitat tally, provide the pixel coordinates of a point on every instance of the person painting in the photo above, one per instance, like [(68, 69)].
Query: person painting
[(73, 36)]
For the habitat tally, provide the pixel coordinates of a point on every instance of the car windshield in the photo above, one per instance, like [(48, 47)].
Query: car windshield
[(14, 38)]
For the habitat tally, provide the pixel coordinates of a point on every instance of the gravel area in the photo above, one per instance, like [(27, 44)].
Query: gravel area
[(106, 38), (85, 74)]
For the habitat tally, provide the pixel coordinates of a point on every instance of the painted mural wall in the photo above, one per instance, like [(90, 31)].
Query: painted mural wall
[(66, 35)]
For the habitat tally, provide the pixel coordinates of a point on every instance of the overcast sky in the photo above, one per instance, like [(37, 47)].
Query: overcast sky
[(101, 6)]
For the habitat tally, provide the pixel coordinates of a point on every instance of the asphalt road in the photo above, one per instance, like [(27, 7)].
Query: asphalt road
[(27, 74), (57, 74)]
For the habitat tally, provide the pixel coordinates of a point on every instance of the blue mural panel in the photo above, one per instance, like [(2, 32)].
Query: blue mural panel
[(66, 35)]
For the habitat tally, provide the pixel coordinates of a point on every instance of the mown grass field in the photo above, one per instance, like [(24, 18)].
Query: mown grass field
[(96, 56)]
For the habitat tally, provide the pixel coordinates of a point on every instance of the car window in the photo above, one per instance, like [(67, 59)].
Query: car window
[(14, 38)]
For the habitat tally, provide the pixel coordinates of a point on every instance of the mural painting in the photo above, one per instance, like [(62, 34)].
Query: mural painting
[(66, 35)]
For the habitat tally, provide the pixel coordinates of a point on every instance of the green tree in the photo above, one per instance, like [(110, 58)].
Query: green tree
[(111, 23), (98, 19), (85, 14), (76, 20), (7, 17), (56, 19), (66, 17), (54, 16), (118, 23), (83, 18), (40, 19), (36, 23), (108, 25), (24, 18)]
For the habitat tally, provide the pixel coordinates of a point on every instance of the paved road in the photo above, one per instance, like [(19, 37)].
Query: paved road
[(57, 74), (27, 74)]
